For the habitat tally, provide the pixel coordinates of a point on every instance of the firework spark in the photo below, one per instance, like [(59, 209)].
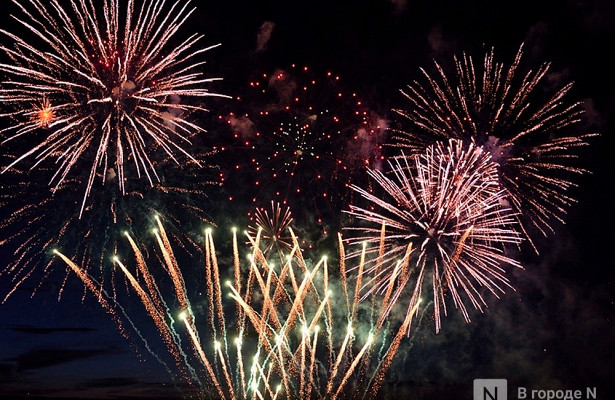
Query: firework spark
[(528, 138), (43, 114), (281, 337), (98, 94), (443, 211)]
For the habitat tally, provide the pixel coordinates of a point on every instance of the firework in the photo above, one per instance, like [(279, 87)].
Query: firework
[(273, 332), (38, 219), (102, 90), (303, 138), (274, 229), (529, 139), (438, 219)]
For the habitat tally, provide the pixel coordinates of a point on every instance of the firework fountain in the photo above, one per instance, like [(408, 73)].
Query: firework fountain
[(292, 330)]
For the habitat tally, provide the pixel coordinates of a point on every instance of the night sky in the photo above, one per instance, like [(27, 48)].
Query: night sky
[(555, 331)]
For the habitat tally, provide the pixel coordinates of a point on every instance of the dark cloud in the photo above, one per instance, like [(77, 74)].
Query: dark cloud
[(110, 382), (555, 80), (399, 5), (7, 371), (593, 119), (47, 357), (595, 15), (366, 143), (535, 40), (41, 331), (284, 85)]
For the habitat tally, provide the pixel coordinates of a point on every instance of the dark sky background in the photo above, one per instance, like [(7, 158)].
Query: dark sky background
[(554, 332)]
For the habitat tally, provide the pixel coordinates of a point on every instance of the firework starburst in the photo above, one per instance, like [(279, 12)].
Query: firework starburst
[(302, 137), (38, 219), (529, 138), (440, 212), (273, 226), (102, 89)]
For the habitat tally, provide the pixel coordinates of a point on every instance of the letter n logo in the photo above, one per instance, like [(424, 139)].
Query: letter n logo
[(490, 389)]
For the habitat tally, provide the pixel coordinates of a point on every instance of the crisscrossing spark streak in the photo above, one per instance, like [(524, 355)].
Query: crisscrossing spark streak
[(440, 218), (114, 87)]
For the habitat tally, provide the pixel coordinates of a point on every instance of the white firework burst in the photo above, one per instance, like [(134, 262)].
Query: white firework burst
[(99, 89)]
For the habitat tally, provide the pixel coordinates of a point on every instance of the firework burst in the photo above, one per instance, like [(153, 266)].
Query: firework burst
[(276, 335), (303, 138), (274, 226), (38, 219), (528, 138), (102, 89), (438, 219)]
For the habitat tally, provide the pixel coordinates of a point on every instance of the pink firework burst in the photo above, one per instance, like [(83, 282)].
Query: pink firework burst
[(531, 140), (438, 218)]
